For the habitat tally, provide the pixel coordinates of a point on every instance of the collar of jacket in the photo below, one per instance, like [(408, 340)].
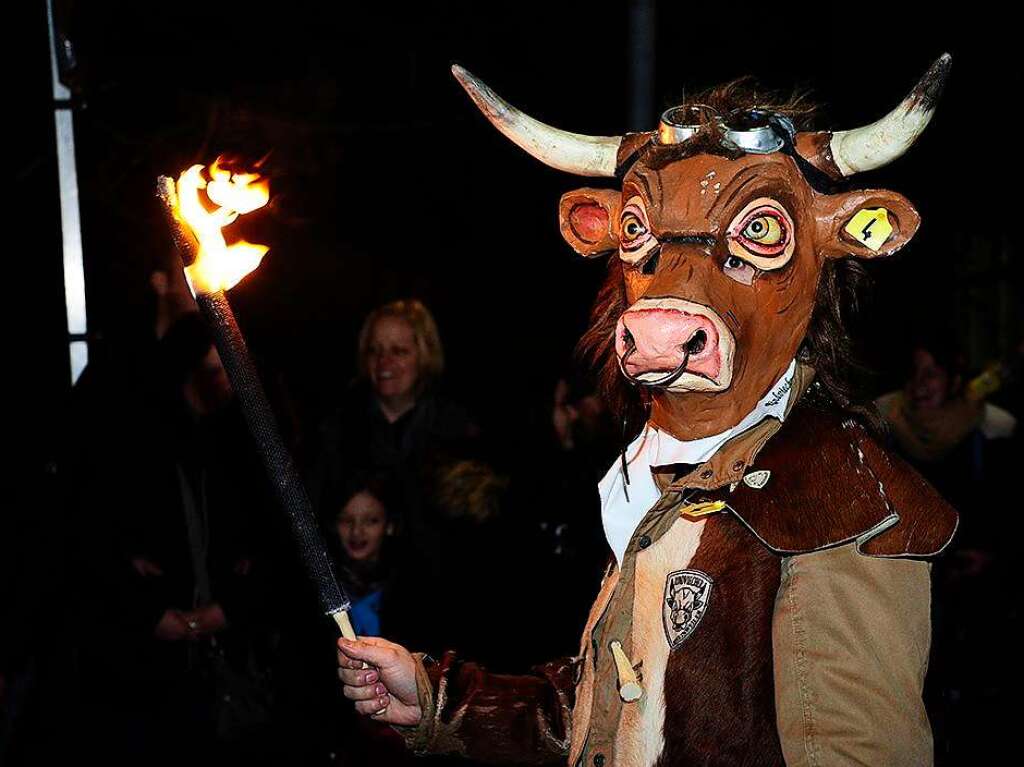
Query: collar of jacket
[(729, 463)]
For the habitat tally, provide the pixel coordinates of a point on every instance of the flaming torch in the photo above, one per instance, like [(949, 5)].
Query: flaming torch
[(198, 207)]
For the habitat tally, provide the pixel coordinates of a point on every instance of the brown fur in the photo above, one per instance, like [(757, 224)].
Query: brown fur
[(641, 729), (731, 720)]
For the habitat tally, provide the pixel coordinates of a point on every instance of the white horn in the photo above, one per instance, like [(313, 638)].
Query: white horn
[(570, 152), (879, 143)]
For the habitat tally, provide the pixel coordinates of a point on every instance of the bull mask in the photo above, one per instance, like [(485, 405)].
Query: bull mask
[(723, 226)]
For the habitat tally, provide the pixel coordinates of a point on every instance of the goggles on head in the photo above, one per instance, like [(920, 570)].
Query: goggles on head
[(751, 130)]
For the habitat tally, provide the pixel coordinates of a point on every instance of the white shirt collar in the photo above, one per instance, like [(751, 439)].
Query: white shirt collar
[(653, 448)]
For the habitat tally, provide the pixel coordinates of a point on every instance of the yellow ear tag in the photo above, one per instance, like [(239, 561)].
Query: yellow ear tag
[(870, 227)]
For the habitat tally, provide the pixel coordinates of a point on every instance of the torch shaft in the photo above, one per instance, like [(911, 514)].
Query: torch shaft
[(281, 469), (277, 459)]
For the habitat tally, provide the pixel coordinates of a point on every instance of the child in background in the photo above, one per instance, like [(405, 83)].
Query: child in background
[(363, 524)]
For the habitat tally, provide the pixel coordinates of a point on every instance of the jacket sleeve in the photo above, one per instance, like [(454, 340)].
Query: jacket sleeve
[(851, 635), (493, 718)]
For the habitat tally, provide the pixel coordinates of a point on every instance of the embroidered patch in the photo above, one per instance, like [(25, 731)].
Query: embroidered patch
[(686, 600), (757, 479)]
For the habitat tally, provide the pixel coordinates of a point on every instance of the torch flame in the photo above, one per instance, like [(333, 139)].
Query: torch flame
[(219, 266)]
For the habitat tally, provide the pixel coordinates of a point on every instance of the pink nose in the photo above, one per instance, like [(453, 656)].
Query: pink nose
[(658, 340)]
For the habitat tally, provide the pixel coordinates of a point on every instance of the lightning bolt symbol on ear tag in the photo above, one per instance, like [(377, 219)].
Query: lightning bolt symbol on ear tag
[(870, 226)]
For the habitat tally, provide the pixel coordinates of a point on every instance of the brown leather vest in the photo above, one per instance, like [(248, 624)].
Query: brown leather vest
[(703, 618)]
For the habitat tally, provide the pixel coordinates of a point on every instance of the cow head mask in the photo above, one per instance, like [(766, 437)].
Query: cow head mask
[(721, 230)]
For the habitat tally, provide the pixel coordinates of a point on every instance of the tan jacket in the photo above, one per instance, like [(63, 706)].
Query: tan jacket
[(772, 614)]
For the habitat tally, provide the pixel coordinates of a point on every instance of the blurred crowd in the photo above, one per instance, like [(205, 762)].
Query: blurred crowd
[(162, 615), (195, 634), (944, 422)]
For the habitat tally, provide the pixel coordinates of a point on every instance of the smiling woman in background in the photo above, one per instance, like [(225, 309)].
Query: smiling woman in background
[(400, 355), (395, 422)]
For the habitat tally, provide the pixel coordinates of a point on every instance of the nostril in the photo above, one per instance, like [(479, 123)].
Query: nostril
[(627, 338), (697, 343)]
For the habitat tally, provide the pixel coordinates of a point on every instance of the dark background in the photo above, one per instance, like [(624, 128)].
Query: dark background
[(388, 183)]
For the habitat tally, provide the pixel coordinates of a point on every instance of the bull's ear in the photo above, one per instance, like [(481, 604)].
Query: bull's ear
[(589, 220), (866, 223)]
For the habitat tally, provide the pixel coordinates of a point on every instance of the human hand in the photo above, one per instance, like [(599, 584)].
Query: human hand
[(386, 692)]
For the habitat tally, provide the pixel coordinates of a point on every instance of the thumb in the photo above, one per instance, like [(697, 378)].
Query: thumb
[(374, 651)]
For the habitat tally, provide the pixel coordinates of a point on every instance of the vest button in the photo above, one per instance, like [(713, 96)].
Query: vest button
[(644, 542), (598, 760)]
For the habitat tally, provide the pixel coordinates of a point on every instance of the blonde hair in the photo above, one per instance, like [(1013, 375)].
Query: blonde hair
[(424, 330)]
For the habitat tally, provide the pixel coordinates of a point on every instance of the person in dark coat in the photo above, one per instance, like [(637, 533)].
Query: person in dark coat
[(169, 562)]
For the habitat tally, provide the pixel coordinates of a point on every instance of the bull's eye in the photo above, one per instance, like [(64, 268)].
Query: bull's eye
[(632, 228), (762, 234), (635, 238), (764, 230)]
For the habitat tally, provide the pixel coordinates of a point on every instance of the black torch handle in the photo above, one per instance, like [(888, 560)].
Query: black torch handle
[(284, 476)]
